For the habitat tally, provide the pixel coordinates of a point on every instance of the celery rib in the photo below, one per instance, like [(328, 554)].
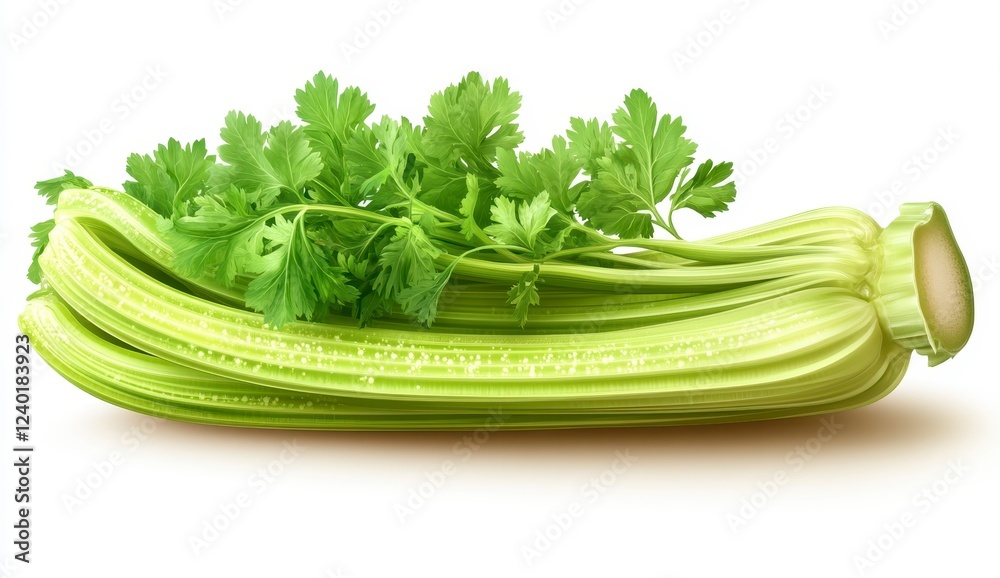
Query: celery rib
[(156, 387), (124, 302)]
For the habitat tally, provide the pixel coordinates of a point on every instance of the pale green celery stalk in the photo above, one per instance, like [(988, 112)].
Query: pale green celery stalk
[(850, 265), (153, 386), (828, 226), (116, 215), (603, 312), (811, 347), (131, 228), (831, 228), (121, 213), (850, 260)]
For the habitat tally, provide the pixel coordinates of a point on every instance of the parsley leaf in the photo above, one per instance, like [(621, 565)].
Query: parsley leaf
[(222, 236), (703, 193), (630, 182), (558, 168), (39, 239), (421, 299), (524, 224), (551, 170), (611, 205), (468, 207), (407, 260), (380, 153), (295, 278), (330, 118), (518, 178), (442, 181), (659, 149), (168, 180), (276, 161), (589, 141), (51, 188), (524, 294), (469, 121)]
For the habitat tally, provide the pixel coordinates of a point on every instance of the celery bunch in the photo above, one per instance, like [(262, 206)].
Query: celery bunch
[(348, 275)]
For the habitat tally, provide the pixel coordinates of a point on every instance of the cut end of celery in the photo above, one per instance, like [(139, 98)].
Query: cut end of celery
[(943, 285), (925, 290)]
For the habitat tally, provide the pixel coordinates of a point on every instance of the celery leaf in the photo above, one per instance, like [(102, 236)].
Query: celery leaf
[(273, 162), (523, 224), (295, 279), (171, 177), (470, 120), (705, 193), (407, 260), (523, 295)]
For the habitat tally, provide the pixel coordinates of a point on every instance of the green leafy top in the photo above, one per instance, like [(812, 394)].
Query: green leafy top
[(633, 177), (524, 224), (277, 163), (469, 121), (295, 277), (342, 215), (167, 181), (50, 189)]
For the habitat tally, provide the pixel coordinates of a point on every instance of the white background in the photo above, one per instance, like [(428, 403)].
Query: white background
[(895, 75)]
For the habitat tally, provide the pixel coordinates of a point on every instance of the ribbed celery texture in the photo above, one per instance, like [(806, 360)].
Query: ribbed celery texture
[(810, 314)]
